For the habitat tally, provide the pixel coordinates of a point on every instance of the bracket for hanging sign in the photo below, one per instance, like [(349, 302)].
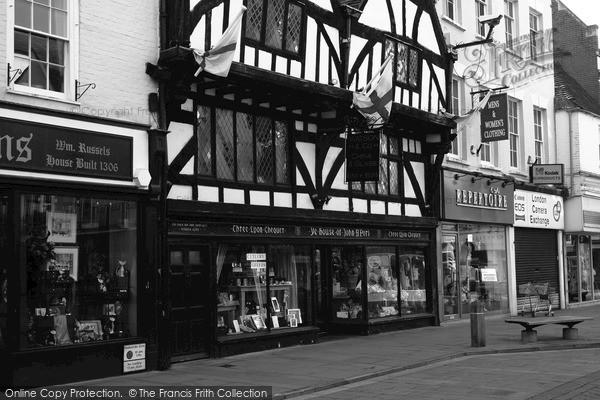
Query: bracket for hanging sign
[(87, 86)]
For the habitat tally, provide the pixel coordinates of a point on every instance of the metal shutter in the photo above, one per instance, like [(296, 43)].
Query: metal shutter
[(536, 255)]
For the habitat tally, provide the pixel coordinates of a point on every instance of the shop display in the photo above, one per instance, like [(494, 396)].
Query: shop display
[(73, 295)]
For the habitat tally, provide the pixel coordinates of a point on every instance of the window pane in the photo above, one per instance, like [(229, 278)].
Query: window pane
[(401, 69), (264, 150), (41, 18), (347, 267), (274, 28), (412, 280), (82, 279), (56, 51), (21, 43), (394, 181), (23, 13), (60, 4), (294, 22), (382, 282), (394, 150), (254, 19), (39, 74), (414, 68), (370, 187), (39, 48), (59, 23), (23, 64), (56, 78), (245, 147), (204, 141), (281, 146), (45, 2), (225, 150), (383, 177)]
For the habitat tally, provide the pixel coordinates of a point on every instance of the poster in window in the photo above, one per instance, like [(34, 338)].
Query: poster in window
[(62, 227), (65, 261)]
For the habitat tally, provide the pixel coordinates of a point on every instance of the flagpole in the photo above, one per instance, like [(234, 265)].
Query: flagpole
[(379, 72)]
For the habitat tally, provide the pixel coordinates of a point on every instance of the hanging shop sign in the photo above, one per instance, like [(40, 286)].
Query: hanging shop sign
[(474, 198), (494, 119), (280, 231), (539, 210), (546, 174), (58, 150), (362, 156)]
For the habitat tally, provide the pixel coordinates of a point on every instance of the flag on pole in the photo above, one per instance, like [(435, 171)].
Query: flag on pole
[(463, 121), (374, 102), (218, 59)]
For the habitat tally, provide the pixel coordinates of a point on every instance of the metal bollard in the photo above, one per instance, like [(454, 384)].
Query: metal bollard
[(477, 326)]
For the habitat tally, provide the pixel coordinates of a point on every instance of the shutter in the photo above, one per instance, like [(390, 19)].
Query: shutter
[(536, 249)]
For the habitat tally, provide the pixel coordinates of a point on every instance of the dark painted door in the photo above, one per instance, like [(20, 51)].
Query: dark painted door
[(190, 296)]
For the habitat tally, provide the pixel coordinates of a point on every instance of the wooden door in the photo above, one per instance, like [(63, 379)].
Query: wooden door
[(190, 298)]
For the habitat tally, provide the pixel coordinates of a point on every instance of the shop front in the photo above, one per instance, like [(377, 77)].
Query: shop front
[(70, 218), (476, 213), (582, 249), (538, 229), (273, 283)]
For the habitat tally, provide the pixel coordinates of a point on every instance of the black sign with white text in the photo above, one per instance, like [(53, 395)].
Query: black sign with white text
[(362, 156), (57, 150), (494, 119)]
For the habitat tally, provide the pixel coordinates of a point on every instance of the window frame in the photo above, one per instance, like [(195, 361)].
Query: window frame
[(481, 8), (261, 42), (513, 134), (392, 44), (71, 55), (534, 33), (538, 134), (452, 10), (214, 154), (510, 21), (455, 148)]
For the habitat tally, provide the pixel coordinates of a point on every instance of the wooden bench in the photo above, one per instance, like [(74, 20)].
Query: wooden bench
[(529, 335)]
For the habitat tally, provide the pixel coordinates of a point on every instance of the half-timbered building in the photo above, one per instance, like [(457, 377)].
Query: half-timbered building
[(270, 239)]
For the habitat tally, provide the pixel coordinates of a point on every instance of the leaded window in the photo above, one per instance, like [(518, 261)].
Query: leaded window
[(390, 168), (275, 24), (247, 148), (407, 62)]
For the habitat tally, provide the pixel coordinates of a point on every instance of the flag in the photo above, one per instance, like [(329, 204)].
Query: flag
[(218, 59), (374, 102), (463, 121)]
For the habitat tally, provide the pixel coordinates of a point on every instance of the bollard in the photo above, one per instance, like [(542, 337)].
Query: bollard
[(477, 326)]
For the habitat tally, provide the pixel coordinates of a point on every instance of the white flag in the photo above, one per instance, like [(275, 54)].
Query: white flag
[(374, 102), (218, 59)]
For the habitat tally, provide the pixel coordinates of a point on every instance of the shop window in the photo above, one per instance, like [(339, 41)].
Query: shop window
[(382, 282), (275, 25), (248, 148), (81, 270), (42, 46), (4, 249), (347, 283), (412, 280), (262, 288)]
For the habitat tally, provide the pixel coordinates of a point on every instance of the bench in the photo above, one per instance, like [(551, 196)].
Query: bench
[(529, 335)]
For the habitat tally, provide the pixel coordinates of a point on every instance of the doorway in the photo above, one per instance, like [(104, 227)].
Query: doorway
[(190, 302)]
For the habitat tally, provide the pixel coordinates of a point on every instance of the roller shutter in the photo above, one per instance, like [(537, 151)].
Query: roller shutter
[(536, 256)]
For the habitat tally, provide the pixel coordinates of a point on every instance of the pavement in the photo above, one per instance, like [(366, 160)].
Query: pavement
[(339, 361)]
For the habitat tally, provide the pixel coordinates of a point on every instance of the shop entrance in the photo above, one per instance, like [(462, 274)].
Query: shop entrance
[(190, 300)]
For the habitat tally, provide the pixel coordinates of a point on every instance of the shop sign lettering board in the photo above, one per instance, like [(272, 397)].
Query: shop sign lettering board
[(58, 150), (539, 210), (546, 174), (362, 156), (494, 119)]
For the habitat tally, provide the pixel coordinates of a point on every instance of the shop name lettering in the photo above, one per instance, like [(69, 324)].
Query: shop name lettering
[(397, 234), (22, 152), (340, 232), (257, 230), (492, 200), (80, 163)]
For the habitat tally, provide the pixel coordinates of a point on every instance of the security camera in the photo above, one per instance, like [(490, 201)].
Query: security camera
[(490, 19)]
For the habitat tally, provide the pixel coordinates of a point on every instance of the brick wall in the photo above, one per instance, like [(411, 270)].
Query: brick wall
[(580, 44)]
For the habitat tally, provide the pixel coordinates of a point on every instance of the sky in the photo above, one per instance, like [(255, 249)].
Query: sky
[(587, 10)]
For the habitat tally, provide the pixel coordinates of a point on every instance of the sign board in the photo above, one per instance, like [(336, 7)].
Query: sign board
[(258, 265), (546, 174), (467, 197), (134, 357), (539, 210), (57, 150), (488, 275), (362, 156), (256, 256), (494, 119)]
